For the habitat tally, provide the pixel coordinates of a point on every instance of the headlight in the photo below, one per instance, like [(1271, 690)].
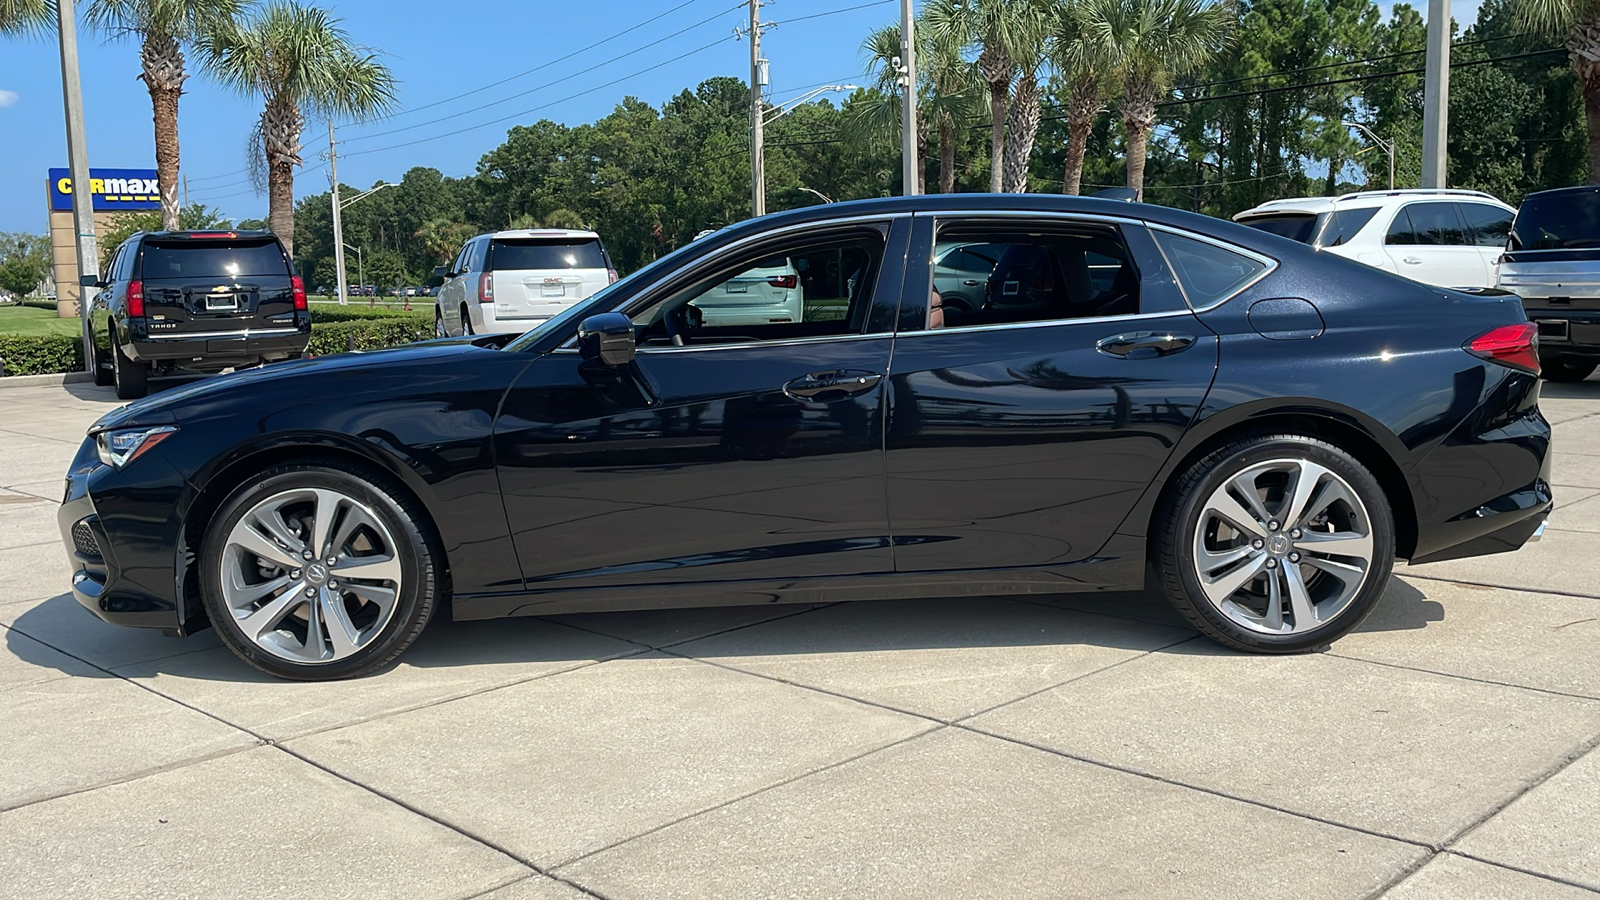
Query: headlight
[(121, 446)]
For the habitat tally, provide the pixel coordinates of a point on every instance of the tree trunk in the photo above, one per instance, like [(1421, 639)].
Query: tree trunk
[(947, 156), (995, 68), (161, 59), (1583, 49), (1138, 117), (280, 138), (1083, 104), (1022, 125)]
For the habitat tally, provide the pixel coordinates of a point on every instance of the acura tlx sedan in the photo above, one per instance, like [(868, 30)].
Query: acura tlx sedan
[(1132, 392)]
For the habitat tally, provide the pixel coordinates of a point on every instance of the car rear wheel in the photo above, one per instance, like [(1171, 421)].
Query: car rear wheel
[(1276, 544), (1566, 369), (466, 323), (319, 571), (131, 377), (438, 324), (98, 364)]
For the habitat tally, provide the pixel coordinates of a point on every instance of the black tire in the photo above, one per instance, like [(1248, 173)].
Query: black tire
[(1566, 369), (1173, 540), (415, 548), (98, 364), (439, 331), (131, 377), (466, 323)]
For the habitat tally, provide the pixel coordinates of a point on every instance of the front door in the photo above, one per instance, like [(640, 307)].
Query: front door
[(1021, 433), (750, 451)]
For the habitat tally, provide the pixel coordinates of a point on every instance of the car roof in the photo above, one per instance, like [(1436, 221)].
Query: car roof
[(205, 234), (1358, 200), (553, 233)]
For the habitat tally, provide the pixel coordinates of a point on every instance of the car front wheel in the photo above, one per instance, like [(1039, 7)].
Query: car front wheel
[(1275, 544), (319, 571)]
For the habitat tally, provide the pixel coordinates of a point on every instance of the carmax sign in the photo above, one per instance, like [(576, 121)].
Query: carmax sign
[(112, 189)]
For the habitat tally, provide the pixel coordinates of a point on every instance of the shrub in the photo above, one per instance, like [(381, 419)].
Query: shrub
[(40, 354), (367, 334), (325, 312)]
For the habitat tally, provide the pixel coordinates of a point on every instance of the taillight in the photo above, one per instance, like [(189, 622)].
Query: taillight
[(1516, 346), (135, 298), (611, 276), (486, 288), (784, 281), (299, 292)]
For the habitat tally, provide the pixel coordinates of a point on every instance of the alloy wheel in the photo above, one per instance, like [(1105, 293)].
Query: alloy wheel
[(311, 575), (1283, 547)]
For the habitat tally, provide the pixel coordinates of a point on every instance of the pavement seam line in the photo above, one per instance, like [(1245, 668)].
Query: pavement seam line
[(1521, 871), (1503, 587), (1405, 873), (136, 776), (753, 793), (1584, 748), (1515, 687)]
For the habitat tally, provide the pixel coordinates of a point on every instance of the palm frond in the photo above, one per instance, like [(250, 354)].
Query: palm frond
[(27, 16)]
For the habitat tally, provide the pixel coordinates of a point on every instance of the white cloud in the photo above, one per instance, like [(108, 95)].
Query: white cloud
[(7, 98)]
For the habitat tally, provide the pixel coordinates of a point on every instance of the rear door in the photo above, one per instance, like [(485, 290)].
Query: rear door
[(215, 285), (1428, 242), (537, 277)]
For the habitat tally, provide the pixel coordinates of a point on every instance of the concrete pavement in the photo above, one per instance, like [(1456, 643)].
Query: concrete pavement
[(1067, 746)]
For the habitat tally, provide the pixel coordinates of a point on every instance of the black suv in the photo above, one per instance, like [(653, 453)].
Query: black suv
[(197, 300)]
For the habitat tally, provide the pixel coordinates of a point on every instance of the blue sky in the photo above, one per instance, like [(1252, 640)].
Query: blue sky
[(437, 51)]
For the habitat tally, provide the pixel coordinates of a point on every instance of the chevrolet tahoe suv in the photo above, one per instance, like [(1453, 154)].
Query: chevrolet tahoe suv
[(200, 301), (1553, 263)]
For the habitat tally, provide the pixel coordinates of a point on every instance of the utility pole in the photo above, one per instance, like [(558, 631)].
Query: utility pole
[(338, 222), (185, 196), (910, 165), (758, 165), (78, 163), (1436, 96)]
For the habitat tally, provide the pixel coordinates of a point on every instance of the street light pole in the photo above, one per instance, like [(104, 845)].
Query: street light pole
[(338, 222), (77, 162), (758, 170), (1387, 146), (910, 165)]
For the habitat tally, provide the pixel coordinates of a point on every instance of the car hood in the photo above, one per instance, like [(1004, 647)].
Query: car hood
[(167, 407)]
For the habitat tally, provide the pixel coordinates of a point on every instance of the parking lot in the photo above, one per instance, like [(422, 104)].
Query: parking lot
[(1083, 746)]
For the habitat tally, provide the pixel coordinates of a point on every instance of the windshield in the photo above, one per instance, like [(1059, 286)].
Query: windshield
[(598, 303), (1296, 227), (1558, 221)]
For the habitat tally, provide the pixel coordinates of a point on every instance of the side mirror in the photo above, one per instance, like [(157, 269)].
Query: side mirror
[(442, 272), (607, 339), (90, 281)]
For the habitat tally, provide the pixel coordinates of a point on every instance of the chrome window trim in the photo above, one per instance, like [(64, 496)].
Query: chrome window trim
[(884, 218), (1270, 263), (782, 342), (1044, 323)]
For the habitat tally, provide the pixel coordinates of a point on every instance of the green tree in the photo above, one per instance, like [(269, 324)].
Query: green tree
[(1086, 77), (162, 28), (1149, 43), (124, 225), (1578, 23), (298, 60), (26, 16), (24, 262)]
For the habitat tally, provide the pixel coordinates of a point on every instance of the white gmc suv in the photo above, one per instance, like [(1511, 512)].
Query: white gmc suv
[(1442, 237), (510, 281)]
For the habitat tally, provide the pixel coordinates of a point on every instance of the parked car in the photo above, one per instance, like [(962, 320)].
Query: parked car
[(1264, 427), (510, 281), (1553, 264), (768, 293), (201, 301), (1442, 237)]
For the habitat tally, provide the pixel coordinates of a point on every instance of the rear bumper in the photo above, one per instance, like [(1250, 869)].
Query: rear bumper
[(1566, 332), (245, 345)]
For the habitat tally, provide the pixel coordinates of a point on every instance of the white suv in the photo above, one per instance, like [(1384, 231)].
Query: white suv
[(510, 281), (1442, 237), (769, 293)]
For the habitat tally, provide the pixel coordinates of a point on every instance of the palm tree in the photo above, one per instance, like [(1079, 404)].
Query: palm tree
[(1087, 79), (875, 116), (1003, 31), (1022, 113), (1148, 43), (1578, 22), (162, 27), (299, 60), (26, 16)]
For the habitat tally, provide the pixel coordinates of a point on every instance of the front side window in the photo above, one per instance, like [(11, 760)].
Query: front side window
[(989, 275), (1209, 273), (816, 287), (1490, 225)]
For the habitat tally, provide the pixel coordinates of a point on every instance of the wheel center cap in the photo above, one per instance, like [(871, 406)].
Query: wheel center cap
[(316, 574), (1278, 544)]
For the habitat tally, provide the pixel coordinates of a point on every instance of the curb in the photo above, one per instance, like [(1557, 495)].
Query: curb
[(21, 381)]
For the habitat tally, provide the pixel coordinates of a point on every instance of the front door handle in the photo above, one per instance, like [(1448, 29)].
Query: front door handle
[(836, 384), (1144, 344), (972, 282)]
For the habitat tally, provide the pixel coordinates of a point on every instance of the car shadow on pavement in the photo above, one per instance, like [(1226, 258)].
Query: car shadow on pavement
[(1136, 621), (1582, 390)]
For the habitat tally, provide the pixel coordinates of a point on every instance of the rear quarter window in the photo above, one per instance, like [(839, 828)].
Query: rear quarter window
[(212, 258), (1209, 273), (548, 254)]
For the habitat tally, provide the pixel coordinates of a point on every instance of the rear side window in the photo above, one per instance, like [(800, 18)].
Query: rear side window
[(1208, 273), (1296, 227), (1345, 224), (1428, 224), (578, 253), (1489, 226), (1563, 221), (212, 257), (1018, 277)]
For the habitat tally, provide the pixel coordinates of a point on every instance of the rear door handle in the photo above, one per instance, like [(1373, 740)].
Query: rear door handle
[(1144, 344), (1412, 261), (971, 282), (835, 384)]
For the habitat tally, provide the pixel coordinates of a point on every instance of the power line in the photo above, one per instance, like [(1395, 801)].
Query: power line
[(533, 90), (1349, 62), (833, 12)]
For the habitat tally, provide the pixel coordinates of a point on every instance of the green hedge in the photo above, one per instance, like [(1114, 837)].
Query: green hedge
[(40, 354), (328, 338), (353, 313)]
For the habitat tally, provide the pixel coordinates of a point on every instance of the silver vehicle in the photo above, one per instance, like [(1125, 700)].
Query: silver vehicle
[(770, 293), (1553, 264), (510, 281)]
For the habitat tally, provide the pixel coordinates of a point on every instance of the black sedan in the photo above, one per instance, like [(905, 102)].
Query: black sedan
[(1260, 428)]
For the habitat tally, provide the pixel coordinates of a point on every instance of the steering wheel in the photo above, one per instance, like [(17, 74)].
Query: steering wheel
[(681, 321)]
